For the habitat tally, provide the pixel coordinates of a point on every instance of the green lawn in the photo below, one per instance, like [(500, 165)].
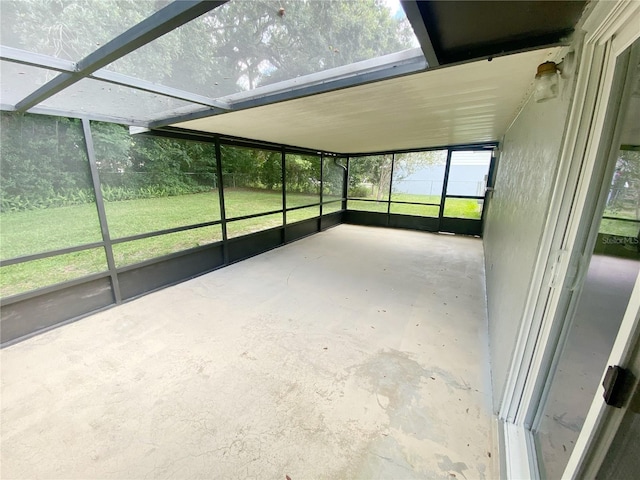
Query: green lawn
[(454, 207), (463, 208), (408, 197), (132, 217), (244, 227), (48, 271), (617, 227), (35, 231)]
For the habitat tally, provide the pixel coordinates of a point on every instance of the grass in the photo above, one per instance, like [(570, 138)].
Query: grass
[(244, 227), (454, 207), (35, 231), (27, 276), (144, 249), (132, 217), (617, 227)]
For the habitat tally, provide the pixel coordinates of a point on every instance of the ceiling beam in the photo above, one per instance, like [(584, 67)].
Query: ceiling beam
[(139, 84), (24, 57), (32, 59), (56, 112), (412, 11), (163, 21)]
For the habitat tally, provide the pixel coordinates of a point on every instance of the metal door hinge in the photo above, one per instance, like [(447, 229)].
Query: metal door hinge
[(618, 385)]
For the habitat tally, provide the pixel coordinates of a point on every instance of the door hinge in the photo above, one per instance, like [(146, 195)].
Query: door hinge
[(618, 385)]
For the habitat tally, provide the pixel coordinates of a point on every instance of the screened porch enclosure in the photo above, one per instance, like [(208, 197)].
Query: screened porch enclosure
[(118, 178), (234, 232), (91, 212)]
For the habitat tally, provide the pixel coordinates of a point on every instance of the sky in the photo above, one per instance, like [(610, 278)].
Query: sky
[(392, 5)]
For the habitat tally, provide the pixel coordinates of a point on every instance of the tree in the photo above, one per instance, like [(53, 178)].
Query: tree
[(371, 175), (238, 46), (42, 161), (269, 168), (332, 177), (303, 173), (625, 185), (112, 143)]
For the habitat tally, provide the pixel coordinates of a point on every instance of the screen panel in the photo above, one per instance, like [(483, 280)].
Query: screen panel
[(245, 227), (151, 183), (370, 179), (302, 174), (47, 201), (252, 180), (244, 45)]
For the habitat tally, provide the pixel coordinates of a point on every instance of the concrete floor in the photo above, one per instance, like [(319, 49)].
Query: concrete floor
[(355, 353)]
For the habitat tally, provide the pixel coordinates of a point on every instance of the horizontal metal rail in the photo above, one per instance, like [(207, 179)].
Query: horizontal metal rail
[(367, 200), (38, 60), (470, 197), (621, 219), (50, 253), (367, 71), (415, 203), (164, 232), (88, 246), (141, 236), (473, 146), (168, 256)]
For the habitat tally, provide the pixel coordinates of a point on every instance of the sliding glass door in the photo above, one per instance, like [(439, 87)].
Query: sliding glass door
[(598, 299)]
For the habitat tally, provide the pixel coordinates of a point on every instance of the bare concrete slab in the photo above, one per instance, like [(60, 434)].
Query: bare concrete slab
[(355, 353)]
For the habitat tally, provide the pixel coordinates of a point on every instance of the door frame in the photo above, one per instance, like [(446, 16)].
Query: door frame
[(608, 29)]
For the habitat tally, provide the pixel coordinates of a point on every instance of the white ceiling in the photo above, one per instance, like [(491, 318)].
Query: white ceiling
[(470, 103)]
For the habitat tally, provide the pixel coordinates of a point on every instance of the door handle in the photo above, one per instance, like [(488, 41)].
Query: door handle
[(618, 385)]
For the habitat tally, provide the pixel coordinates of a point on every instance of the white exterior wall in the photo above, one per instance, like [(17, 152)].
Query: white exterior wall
[(515, 220)]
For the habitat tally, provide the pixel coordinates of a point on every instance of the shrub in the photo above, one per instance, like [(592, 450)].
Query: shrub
[(362, 191)]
